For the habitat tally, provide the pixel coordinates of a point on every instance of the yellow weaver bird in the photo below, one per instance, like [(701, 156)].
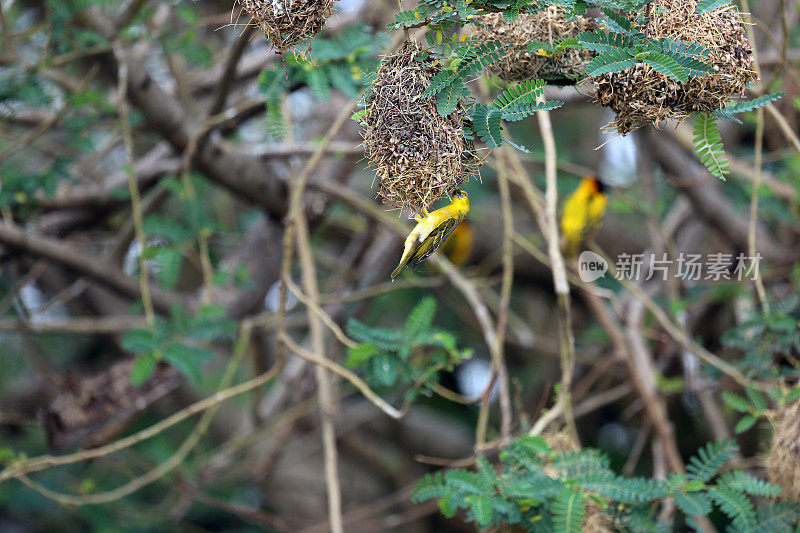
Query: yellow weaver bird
[(582, 214), (431, 231)]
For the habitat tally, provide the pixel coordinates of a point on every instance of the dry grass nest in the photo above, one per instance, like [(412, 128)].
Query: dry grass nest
[(419, 156), (548, 26), (640, 95), (288, 22), (783, 462)]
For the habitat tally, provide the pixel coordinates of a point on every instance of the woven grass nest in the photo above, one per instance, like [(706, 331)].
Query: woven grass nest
[(418, 155), (783, 462), (548, 26), (640, 95), (288, 22)]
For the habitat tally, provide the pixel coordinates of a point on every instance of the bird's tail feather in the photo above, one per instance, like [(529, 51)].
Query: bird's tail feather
[(399, 269)]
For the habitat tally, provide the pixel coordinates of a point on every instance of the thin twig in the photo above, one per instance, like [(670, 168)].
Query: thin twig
[(321, 314), (324, 384), (674, 331), (751, 232), (357, 382), (43, 462), (167, 466), (133, 184), (560, 283), (505, 297)]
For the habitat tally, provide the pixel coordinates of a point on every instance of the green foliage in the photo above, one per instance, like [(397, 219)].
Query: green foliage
[(272, 85), (703, 6), (18, 86), (622, 48), (736, 505), (487, 125), (569, 511), (781, 516), (748, 105), (665, 64), (515, 103), (744, 482), (709, 459), (537, 485), (411, 357), (766, 339), (708, 146), (178, 340), (345, 61)]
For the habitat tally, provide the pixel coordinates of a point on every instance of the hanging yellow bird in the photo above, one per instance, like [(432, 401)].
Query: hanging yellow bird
[(582, 214), (431, 231)]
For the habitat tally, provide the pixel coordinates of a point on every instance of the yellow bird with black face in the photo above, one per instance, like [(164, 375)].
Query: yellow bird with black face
[(582, 214), (431, 231)]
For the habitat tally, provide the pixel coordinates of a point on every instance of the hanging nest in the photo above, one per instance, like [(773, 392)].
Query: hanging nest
[(640, 95), (288, 22), (783, 462), (419, 156), (548, 26)]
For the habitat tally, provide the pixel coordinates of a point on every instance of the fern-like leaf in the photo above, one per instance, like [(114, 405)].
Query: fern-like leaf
[(694, 67), (749, 484), (385, 339), (734, 504), (439, 82), (745, 423), (421, 318), (735, 402), (750, 105), (409, 18), (704, 6), (486, 122), (611, 61), (693, 503), (448, 99), (469, 482), (625, 490), (775, 517), (523, 93), (569, 510), (708, 146), (599, 41), (535, 485), (666, 65), (615, 21), (710, 458), (515, 113), (480, 505), (429, 487), (479, 58), (486, 470), (581, 462), (684, 48)]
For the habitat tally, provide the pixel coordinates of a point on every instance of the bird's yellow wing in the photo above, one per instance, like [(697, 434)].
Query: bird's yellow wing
[(433, 241)]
